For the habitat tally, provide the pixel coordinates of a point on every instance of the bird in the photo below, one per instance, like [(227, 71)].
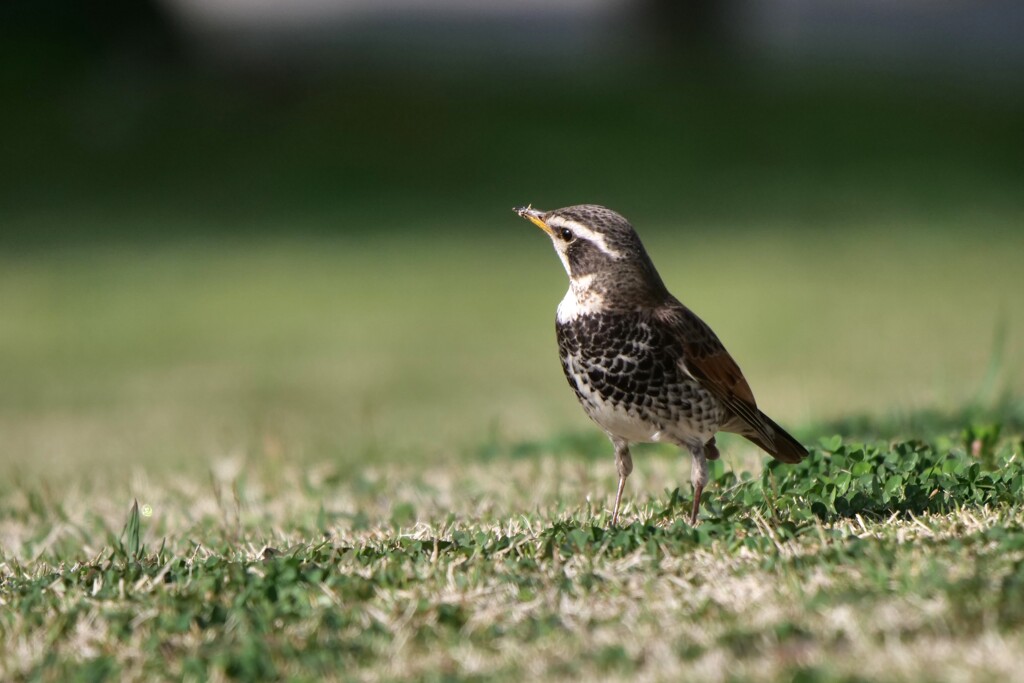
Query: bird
[(643, 366)]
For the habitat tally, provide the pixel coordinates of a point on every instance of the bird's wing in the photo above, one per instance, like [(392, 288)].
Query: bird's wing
[(706, 360)]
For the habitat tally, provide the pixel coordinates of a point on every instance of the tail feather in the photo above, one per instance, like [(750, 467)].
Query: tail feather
[(772, 439)]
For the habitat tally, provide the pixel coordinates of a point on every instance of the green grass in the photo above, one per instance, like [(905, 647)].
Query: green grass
[(898, 561), (279, 396), (356, 459)]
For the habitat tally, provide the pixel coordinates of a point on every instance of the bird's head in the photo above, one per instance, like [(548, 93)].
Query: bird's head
[(599, 246)]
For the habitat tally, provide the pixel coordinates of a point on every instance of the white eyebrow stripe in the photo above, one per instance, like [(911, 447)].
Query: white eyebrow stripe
[(583, 231)]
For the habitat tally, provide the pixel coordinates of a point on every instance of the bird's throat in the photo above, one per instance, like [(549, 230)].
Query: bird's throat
[(583, 298)]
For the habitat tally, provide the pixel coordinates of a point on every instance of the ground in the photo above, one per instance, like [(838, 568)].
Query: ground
[(356, 459)]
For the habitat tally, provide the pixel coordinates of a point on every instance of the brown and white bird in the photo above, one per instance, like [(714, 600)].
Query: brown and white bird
[(644, 367)]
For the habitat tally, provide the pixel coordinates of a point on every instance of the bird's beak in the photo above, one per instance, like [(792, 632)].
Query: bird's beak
[(534, 216)]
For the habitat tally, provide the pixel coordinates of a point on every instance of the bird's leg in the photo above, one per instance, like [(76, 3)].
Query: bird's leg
[(698, 476), (624, 465)]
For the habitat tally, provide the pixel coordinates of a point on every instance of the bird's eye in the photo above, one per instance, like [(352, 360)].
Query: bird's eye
[(566, 234)]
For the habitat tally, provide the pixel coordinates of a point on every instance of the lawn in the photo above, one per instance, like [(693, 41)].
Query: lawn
[(354, 458)]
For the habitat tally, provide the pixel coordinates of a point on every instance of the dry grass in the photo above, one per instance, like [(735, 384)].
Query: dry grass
[(401, 572)]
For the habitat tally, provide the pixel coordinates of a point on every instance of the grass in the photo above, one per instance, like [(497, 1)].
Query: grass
[(355, 459), (279, 396), (898, 561)]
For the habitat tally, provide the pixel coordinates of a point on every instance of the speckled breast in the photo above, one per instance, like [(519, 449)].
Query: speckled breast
[(627, 375)]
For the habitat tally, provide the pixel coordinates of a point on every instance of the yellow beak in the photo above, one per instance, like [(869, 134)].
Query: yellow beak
[(534, 216)]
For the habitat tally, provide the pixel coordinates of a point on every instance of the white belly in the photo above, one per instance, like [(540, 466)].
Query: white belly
[(620, 422), (625, 426)]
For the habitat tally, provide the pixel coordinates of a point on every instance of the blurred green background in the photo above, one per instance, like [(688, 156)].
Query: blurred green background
[(291, 237)]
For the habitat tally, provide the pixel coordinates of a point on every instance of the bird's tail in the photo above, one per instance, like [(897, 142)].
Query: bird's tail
[(773, 439)]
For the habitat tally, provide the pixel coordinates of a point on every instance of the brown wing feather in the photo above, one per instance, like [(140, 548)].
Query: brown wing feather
[(707, 361), (717, 369), (705, 358)]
